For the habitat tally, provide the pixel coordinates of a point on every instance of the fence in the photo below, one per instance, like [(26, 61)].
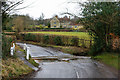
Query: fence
[(55, 39), (26, 48)]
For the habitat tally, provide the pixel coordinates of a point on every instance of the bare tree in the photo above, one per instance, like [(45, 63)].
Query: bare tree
[(18, 24), (41, 19), (8, 8)]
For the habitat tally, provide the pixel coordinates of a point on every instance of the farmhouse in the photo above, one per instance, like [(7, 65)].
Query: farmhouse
[(75, 26), (60, 22), (64, 22), (55, 23)]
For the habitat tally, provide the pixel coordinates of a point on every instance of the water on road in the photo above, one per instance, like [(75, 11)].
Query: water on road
[(56, 64)]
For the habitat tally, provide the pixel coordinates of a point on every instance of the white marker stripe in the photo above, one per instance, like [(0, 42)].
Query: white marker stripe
[(77, 75)]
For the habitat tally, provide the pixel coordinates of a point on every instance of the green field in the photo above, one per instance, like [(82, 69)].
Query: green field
[(109, 59), (81, 35)]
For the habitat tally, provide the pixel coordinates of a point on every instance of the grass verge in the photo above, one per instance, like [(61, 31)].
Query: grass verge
[(108, 58), (14, 68), (33, 62), (30, 59), (78, 51)]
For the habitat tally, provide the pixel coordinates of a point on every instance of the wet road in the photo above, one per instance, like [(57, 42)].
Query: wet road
[(37, 51), (83, 67)]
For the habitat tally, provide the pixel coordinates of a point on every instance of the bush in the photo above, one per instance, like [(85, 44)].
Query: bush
[(46, 39), (97, 47), (75, 41), (33, 38), (54, 28), (50, 39), (9, 33), (6, 45), (58, 40), (27, 37)]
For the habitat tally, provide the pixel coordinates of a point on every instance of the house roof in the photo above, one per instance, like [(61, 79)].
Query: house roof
[(54, 18), (66, 19)]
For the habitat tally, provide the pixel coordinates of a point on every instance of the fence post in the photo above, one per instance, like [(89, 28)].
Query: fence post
[(28, 52), (25, 46), (12, 50), (90, 43), (14, 47), (83, 43)]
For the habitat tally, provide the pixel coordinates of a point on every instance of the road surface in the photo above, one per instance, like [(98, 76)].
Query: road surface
[(82, 67)]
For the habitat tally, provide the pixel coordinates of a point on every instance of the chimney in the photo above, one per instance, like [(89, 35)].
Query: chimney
[(69, 17), (56, 16)]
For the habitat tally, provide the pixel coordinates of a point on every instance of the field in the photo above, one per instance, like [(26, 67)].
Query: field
[(81, 35)]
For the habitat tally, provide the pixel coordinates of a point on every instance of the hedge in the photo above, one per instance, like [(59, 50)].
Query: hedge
[(50, 39)]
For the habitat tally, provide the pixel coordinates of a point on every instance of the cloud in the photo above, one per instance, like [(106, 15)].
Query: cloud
[(48, 7)]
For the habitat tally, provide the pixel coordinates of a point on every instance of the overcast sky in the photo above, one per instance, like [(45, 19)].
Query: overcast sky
[(48, 7)]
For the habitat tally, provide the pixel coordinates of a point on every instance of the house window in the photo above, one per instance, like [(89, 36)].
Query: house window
[(54, 26), (75, 26), (54, 22)]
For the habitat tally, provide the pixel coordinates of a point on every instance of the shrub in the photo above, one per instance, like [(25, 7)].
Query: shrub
[(27, 37), (33, 37), (97, 47), (9, 33), (46, 39), (6, 45), (58, 40), (75, 41), (51, 39)]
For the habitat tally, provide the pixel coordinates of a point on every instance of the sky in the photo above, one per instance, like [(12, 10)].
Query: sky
[(48, 7)]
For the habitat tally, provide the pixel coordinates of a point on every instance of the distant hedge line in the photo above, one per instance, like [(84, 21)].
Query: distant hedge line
[(55, 39), (9, 33), (55, 30), (50, 39)]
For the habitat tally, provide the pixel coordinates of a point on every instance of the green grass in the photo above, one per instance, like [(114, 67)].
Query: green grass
[(14, 68), (72, 50), (109, 59), (30, 60), (81, 35), (33, 62)]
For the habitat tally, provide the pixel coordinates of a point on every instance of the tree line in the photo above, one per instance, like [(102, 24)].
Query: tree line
[(101, 19)]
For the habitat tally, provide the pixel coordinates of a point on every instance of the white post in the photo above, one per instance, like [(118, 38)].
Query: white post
[(14, 46), (28, 52), (12, 50), (25, 46)]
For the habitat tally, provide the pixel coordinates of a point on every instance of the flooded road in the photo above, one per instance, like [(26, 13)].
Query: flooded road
[(56, 64)]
